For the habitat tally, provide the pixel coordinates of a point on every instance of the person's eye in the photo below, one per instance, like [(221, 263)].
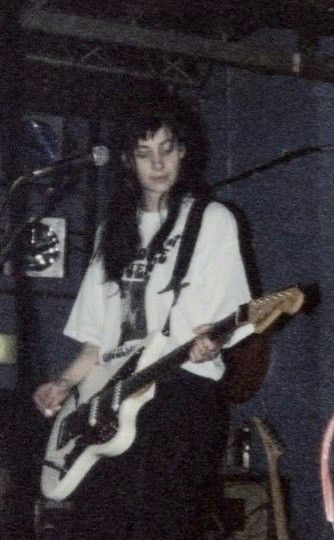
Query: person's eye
[(141, 153), (168, 147)]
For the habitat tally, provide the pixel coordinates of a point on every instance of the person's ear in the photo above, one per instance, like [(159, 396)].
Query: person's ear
[(181, 150)]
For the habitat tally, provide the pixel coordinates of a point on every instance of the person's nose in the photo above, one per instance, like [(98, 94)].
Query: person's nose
[(157, 162)]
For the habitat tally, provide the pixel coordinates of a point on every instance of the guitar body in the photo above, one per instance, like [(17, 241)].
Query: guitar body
[(65, 465)]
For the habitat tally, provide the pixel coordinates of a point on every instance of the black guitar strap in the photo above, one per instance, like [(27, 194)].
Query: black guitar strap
[(185, 253)]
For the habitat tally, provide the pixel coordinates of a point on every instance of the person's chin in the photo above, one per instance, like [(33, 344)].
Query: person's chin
[(161, 187)]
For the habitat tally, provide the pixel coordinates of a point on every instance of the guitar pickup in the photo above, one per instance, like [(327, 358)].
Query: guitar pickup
[(93, 412), (116, 399)]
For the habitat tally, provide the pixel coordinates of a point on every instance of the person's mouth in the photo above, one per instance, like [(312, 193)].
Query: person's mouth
[(160, 179)]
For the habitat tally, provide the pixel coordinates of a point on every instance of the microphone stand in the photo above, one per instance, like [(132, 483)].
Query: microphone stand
[(17, 223), (98, 157), (50, 194)]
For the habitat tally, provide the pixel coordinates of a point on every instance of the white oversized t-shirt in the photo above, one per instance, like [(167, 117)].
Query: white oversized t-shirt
[(216, 280)]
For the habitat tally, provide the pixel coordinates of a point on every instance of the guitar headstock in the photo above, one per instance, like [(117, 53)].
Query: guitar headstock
[(272, 447), (263, 311)]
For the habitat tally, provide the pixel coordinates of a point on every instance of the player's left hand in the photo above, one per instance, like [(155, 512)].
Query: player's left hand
[(204, 348)]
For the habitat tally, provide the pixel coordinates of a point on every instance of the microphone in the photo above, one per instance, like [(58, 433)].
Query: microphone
[(98, 156)]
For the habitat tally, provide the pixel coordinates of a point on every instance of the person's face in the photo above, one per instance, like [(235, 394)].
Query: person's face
[(157, 162)]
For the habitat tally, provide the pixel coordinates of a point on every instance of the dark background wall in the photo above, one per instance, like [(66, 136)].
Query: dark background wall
[(290, 214), (286, 221)]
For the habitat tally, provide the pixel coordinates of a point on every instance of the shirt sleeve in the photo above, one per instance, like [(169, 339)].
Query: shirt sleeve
[(87, 316), (216, 277)]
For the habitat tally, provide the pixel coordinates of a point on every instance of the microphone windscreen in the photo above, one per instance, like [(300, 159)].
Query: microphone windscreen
[(100, 155)]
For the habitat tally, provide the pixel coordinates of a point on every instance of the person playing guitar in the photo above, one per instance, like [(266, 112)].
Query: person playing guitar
[(155, 489)]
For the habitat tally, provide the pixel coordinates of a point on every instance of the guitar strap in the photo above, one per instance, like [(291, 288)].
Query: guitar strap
[(185, 253)]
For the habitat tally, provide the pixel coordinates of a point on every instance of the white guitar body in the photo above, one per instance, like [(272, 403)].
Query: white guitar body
[(100, 421), (53, 484)]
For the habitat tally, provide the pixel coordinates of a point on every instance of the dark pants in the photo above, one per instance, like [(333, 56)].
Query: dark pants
[(157, 488)]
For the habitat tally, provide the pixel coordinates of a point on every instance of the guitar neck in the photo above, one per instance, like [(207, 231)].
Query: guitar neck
[(273, 453), (175, 358), (281, 521), (261, 313)]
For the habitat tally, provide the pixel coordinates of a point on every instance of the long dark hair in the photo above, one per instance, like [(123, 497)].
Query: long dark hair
[(120, 238)]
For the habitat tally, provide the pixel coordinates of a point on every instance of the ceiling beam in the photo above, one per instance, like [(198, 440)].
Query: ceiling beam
[(89, 28), (131, 35)]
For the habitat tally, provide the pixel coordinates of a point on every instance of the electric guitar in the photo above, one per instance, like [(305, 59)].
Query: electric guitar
[(274, 452), (98, 419)]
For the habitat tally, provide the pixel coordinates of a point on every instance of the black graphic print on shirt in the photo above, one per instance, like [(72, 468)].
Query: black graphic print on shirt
[(133, 290)]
